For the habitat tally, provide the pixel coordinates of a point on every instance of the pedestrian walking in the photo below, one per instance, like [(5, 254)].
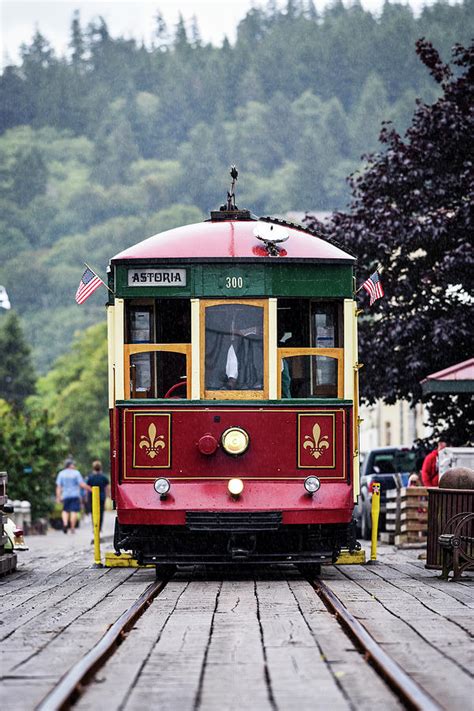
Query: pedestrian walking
[(98, 478), (430, 468), (69, 483)]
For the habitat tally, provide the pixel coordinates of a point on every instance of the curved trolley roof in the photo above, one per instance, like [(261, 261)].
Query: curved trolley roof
[(225, 240)]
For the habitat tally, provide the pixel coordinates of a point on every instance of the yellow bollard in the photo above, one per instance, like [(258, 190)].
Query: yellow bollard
[(96, 524), (375, 519)]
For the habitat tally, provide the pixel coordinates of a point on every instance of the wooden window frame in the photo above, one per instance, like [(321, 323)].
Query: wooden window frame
[(336, 353), (234, 394), (133, 348)]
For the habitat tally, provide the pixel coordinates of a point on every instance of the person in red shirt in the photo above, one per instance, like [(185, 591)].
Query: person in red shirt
[(430, 469)]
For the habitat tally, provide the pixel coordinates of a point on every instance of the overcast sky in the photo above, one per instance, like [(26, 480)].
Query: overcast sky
[(129, 18)]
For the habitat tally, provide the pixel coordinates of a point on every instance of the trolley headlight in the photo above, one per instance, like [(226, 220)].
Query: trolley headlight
[(162, 487), (235, 440), (235, 486), (312, 484)]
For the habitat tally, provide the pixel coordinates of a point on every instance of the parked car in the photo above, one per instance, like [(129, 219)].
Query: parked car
[(388, 466)]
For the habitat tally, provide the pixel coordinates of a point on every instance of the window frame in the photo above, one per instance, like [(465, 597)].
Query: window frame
[(336, 353), (233, 394), (133, 348)]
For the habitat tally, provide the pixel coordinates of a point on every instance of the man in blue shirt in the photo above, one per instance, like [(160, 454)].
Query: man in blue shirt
[(69, 483)]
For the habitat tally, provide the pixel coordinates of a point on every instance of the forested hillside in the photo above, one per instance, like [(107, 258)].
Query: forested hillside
[(117, 141)]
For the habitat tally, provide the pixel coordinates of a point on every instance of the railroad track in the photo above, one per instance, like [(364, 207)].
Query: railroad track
[(72, 685), (409, 692), (75, 682)]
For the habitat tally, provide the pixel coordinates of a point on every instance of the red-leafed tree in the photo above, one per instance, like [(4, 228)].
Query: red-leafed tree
[(412, 214)]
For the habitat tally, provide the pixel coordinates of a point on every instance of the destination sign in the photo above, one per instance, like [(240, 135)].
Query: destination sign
[(157, 277)]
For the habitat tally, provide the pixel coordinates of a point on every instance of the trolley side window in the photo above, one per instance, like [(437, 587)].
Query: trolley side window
[(310, 348), (158, 348), (306, 323), (234, 351)]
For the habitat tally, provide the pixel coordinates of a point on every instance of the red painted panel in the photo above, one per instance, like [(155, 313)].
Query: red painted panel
[(139, 503), (284, 443)]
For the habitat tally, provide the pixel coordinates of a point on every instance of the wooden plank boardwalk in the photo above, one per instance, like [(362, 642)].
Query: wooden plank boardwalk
[(231, 640)]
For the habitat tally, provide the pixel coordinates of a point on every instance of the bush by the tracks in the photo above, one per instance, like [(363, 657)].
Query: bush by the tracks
[(30, 448), (75, 393)]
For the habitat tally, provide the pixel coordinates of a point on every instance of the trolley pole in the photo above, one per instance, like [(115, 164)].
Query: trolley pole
[(375, 520), (96, 524)]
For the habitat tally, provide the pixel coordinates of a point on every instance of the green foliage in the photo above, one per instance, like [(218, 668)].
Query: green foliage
[(17, 379), (30, 176), (411, 217), (75, 393), (116, 141), (30, 441)]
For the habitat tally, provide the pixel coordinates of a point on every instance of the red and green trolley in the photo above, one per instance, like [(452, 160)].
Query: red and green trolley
[(233, 394)]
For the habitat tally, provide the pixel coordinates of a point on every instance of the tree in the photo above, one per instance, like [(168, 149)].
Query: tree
[(75, 393), (30, 176), (77, 44), (412, 215), (31, 448), (17, 378), (116, 149), (370, 111)]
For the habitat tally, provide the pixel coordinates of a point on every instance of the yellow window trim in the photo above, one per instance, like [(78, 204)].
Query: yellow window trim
[(336, 353), (234, 394), (131, 349)]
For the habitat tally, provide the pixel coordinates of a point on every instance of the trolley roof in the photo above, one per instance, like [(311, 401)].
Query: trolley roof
[(233, 239)]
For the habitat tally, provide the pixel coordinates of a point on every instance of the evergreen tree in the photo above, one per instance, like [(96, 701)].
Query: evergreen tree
[(30, 176), (15, 101), (371, 110), (77, 43), (161, 32), (116, 150), (17, 378)]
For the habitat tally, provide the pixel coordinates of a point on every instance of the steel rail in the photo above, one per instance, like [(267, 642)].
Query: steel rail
[(411, 693), (70, 686)]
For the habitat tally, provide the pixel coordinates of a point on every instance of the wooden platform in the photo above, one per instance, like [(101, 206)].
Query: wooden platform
[(231, 640)]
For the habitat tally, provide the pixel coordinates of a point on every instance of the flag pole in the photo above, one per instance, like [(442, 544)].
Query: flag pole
[(103, 282)]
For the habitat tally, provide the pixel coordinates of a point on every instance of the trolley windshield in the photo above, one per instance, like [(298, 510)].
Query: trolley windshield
[(234, 347)]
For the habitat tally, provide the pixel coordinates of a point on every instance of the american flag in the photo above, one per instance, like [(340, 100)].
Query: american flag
[(373, 287), (88, 284)]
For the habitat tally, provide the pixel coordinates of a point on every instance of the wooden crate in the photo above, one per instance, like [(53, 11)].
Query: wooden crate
[(407, 515)]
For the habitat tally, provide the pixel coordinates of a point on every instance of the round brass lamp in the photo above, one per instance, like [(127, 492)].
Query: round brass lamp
[(235, 441)]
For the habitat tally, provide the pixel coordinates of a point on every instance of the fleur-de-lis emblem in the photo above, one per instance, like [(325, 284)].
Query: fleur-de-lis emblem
[(317, 444), (152, 443)]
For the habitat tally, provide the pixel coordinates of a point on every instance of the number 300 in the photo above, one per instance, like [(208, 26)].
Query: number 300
[(234, 282)]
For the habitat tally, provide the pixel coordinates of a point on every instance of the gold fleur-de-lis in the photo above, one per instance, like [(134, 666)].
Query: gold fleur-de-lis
[(316, 444), (152, 443)]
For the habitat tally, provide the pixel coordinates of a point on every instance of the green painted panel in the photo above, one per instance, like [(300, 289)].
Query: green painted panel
[(310, 280), (233, 281), (240, 280)]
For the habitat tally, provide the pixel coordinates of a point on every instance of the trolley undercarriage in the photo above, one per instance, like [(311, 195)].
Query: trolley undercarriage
[(248, 538)]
